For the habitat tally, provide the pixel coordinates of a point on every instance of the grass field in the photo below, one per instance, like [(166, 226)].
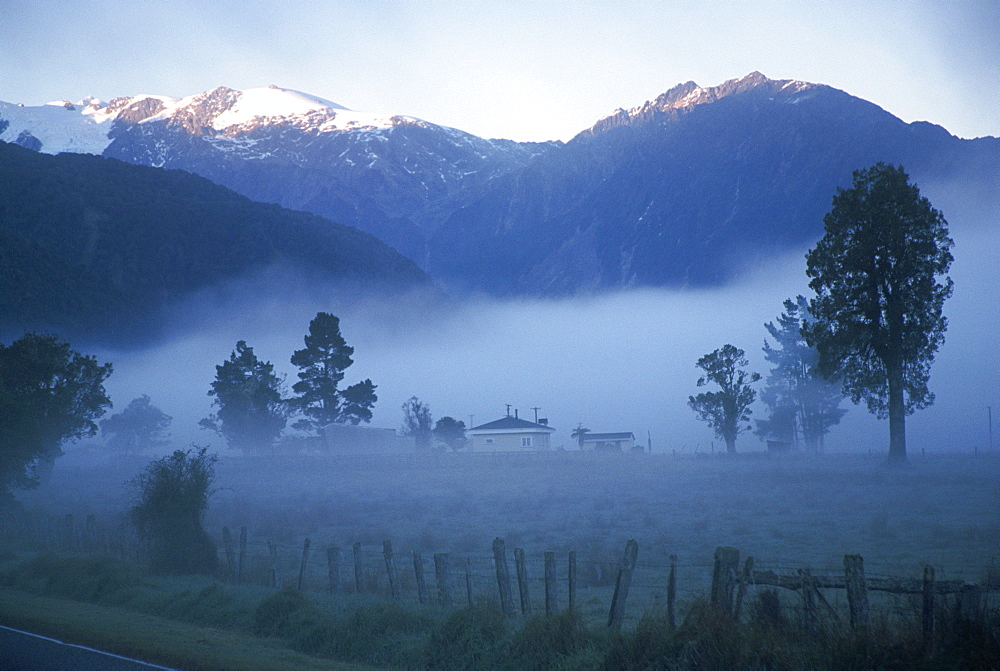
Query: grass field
[(787, 512)]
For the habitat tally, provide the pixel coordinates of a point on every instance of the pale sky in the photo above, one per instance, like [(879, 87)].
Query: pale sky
[(522, 70)]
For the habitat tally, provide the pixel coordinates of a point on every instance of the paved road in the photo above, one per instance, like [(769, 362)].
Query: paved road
[(24, 651)]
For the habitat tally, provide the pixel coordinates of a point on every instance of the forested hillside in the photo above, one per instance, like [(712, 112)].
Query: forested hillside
[(96, 247)]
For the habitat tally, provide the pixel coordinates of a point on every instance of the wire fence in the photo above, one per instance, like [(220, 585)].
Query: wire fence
[(538, 581)]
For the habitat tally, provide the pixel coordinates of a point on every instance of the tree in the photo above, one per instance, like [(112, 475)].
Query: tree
[(248, 394), (878, 305), (417, 422), (322, 362), (580, 432), (140, 426), (451, 433), (173, 497), (49, 393), (803, 404), (727, 411)]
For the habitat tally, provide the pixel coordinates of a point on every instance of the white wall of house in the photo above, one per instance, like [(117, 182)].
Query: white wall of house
[(511, 441)]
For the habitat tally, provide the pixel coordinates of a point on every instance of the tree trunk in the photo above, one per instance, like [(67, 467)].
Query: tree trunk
[(897, 417)]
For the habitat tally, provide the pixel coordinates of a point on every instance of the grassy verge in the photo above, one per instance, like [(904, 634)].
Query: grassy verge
[(155, 639)]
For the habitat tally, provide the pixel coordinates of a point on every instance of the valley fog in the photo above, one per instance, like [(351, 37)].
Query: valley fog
[(622, 361)]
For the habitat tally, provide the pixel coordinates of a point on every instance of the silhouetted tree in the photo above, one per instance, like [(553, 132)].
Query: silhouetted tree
[(49, 393), (878, 306), (322, 362), (248, 394), (580, 432), (451, 433), (417, 422), (727, 411), (803, 404), (173, 498), (140, 426)]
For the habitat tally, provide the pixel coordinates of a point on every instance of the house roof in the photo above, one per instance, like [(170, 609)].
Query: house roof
[(596, 437), (511, 424)]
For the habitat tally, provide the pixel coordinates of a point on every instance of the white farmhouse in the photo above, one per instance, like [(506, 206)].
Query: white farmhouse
[(511, 434)]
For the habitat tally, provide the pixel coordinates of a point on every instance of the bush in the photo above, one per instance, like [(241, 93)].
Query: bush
[(174, 494), (93, 579), (470, 639)]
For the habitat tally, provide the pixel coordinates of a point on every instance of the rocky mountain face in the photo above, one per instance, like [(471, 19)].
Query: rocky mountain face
[(689, 189), (686, 190), (395, 177)]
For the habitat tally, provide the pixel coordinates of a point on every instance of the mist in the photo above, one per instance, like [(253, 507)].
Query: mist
[(620, 361)]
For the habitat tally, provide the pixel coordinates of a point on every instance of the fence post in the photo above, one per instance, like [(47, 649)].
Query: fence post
[(522, 581), (305, 560), (390, 569), (857, 593), (418, 573), (572, 579), (333, 568), (90, 534), (68, 534), (243, 554), (727, 561), (622, 585), (359, 574), (744, 583), (672, 592), (275, 565), (809, 621), (968, 605), (551, 594), (468, 580), (928, 612), (227, 541), (503, 577), (442, 578)]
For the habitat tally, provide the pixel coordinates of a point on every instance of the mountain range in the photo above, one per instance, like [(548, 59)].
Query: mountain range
[(688, 189)]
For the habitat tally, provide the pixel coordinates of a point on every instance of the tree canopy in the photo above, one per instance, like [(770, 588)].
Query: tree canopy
[(140, 426), (417, 422), (802, 404), (879, 274), (49, 393), (450, 432), (727, 411), (322, 364), (251, 412)]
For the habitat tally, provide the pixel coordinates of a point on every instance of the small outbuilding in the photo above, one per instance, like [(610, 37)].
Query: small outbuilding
[(511, 434), (350, 439), (609, 442)]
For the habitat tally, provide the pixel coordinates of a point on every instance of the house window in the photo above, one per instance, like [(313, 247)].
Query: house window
[(488, 441), (526, 441)]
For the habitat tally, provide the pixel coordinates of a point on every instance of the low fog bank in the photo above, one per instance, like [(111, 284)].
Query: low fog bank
[(622, 361)]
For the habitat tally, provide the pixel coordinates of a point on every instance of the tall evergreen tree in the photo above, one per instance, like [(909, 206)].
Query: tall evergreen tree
[(248, 394), (322, 364), (803, 404), (727, 411), (879, 274)]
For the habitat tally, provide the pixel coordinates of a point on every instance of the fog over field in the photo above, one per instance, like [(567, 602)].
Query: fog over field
[(621, 361)]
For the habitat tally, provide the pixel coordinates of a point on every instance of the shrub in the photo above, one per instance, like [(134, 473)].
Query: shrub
[(470, 639), (173, 497), (88, 578)]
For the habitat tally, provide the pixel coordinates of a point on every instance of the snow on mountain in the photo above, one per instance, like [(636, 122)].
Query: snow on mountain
[(85, 127)]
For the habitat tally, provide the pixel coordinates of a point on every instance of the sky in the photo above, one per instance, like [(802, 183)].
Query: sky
[(522, 70)]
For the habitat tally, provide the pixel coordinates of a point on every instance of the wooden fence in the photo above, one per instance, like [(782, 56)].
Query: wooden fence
[(474, 577)]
